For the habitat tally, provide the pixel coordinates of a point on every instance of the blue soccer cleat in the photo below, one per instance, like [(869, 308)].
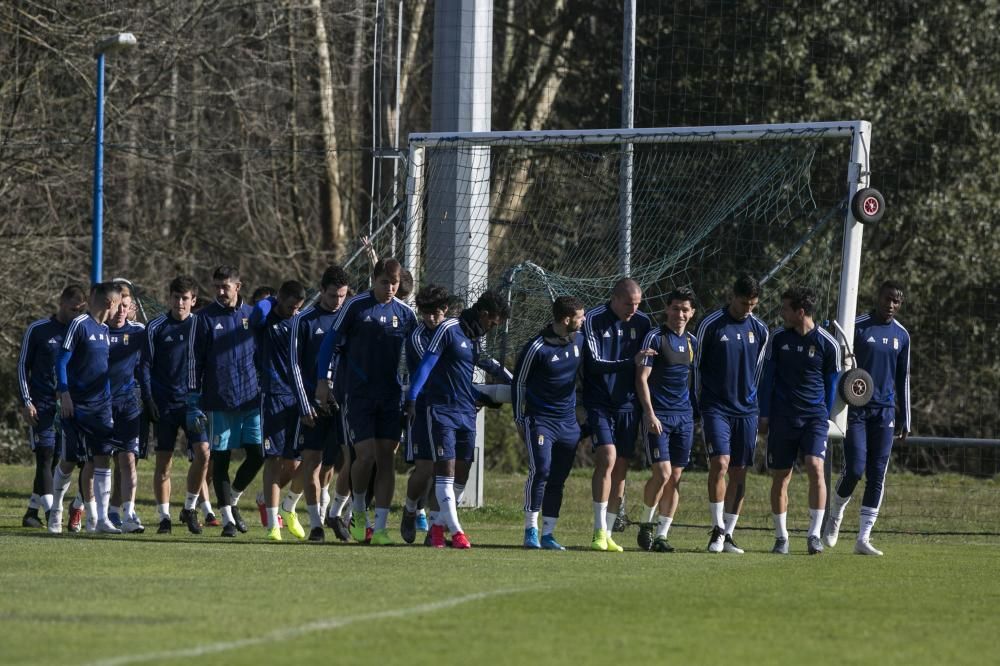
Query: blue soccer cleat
[(531, 538), (549, 543), (115, 518), (421, 522)]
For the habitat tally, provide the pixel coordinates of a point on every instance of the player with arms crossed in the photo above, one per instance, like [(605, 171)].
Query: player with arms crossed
[(223, 383), (663, 383), (543, 397), (798, 385), (84, 394), (730, 344), (373, 327), (36, 380), (882, 347)]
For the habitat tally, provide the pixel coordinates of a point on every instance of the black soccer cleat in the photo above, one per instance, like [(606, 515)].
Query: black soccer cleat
[(621, 521), (165, 526), (645, 537), (190, 518), (408, 526), (336, 523), (780, 547), (31, 519), (317, 534), (661, 545), (815, 545), (238, 519), (229, 530)]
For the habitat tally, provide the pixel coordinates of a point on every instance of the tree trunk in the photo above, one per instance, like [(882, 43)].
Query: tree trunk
[(333, 224)]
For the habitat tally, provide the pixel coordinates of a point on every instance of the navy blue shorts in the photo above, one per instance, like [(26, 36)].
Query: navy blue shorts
[(279, 422), (418, 435), (170, 423), (326, 436), (126, 416), (733, 436), (44, 434), (368, 418), (788, 436), (542, 432), (452, 433), (614, 428), (88, 434), (674, 444)]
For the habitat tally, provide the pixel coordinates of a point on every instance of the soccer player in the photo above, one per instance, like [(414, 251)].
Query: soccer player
[(320, 439), (882, 347), (373, 327), (84, 394), (223, 382), (730, 344), (663, 383), (543, 397), (127, 339), (272, 320), (614, 333), (797, 389), (36, 375), (432, 307), (166, 359)]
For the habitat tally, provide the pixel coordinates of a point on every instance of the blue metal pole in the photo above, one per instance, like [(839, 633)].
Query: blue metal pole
[(97, 235)]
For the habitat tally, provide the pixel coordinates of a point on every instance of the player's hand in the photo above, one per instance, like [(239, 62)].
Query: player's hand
[(323, 397), (902, 436), (643, 355), (152, 411), (410, 409), (309, 420), (520, 430), (762, 425), (653, 424), (65, 405), (486, 401), (30, 415)]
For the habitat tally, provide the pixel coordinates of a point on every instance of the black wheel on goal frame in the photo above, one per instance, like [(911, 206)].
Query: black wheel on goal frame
[(856, 387), (868, 206)]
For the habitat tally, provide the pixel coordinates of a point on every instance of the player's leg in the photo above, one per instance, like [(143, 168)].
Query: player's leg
[(98, 429), (222, 438), (667, 507), (252, 442), (450, 437), (743, 445), (289, 476), (71, 453), (387, 430), (312, 486), (420, 474), (565, 438), (197, 479), (601, 427), (879, 431), (127, 427), (538, 440), (680, 431), (855, 454), (782, 447), (718, 435), (626, 429), (813, 445)]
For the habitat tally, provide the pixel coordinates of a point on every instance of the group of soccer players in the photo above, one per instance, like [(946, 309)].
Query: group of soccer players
[(310, 394)]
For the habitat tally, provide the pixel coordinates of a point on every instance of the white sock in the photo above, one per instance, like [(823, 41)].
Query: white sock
[(60, 484), (600, 510), (434, 518), (648, 513), (609, 520), (868, 517), (381, 518), (459, 493), (190, 501), (227, 514), (837, 506), (730, 521), (272, 517), (530, 520), (33, 502), (128, 510), (117, 510), (206, 507), (46, 502), (411, 505), (78, 500), (548, 525), (422, 512), (780, 530), (163, 510), (715, 509), (235, 496), (338, 504), (348, 514), (91, 512), (358, 504), (291, 500), (815, 521), (324, 498), (444, 489), (315, 516), (663, 526), (102, 492)]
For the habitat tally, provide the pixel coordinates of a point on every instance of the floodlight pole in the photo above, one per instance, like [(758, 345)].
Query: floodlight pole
[(628, 121), (109, 44)]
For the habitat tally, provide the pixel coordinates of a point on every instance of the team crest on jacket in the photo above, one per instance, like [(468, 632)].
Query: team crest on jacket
[(895, 343), (750, 337), (395, 321), (125, 339), (246, 323), (812, 351), (541, 440)]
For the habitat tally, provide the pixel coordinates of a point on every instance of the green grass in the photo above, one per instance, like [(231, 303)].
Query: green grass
[(178, 599)]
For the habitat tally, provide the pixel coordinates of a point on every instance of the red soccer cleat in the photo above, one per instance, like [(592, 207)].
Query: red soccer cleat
[(368, 533), (212, 521), (460, 541), (437, 536), (262, 508), (75, 518)]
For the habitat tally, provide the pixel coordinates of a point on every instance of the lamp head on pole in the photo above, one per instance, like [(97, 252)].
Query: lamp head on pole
[(119, 42)]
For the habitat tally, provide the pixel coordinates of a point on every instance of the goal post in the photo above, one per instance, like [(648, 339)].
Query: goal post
[(706, 203)]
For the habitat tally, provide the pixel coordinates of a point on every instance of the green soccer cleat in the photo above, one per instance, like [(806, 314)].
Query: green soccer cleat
[(274, 534), (612, 546), (381, 538), (358, 528), (292, 523), (600, 541)]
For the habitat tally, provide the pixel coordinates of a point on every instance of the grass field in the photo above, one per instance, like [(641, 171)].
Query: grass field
[(145, 599)]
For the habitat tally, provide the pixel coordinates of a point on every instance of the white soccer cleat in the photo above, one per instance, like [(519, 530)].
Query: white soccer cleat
[(866, 548), (729, 546), (91, 525), (832, 532), (133, 526), (716, 540), (55, 521), (105, 527)]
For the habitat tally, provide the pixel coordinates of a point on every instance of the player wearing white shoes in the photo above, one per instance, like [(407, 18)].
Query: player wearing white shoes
[(36, 375), (614, 333), (85, 408), (272, 321), (730, 344), (882, 347), (127, 340), (664, 386), (797, 389)]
